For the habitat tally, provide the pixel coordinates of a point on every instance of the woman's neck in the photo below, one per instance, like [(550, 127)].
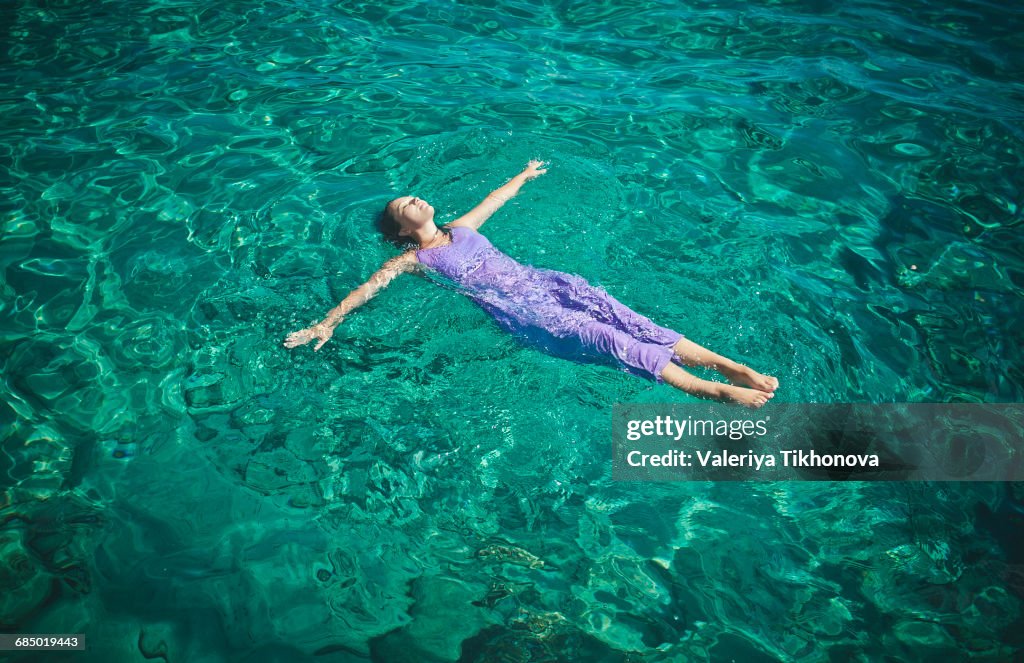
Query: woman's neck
[(426, 236)]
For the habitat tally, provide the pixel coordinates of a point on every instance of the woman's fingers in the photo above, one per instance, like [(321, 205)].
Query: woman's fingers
[(304, 336), (533, 169), (296, 338)]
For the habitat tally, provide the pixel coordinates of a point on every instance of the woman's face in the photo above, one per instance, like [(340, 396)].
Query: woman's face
[(411, 212)]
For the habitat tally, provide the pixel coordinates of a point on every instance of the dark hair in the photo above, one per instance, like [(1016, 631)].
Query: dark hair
[(389, 227)]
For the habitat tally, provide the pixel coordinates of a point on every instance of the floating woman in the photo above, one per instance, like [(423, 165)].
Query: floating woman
[(562, 312)]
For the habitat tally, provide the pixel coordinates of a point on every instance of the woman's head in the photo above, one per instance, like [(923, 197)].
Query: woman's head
[(403, 216)]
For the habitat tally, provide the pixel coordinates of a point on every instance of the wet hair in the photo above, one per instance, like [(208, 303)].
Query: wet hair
[(389, 227)]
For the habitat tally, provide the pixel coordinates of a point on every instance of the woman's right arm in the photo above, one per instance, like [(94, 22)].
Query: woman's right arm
[(364, 293)]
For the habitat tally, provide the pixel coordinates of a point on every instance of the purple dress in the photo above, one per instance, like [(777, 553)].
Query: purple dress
[(560, 312)]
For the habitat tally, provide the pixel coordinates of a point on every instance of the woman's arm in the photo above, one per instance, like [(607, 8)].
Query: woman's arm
[(364, 293), (495, 199)]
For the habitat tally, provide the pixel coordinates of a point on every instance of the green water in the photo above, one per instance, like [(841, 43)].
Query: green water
[(829, 194)]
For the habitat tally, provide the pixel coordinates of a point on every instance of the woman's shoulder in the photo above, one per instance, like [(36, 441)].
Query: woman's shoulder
[(402, 262)]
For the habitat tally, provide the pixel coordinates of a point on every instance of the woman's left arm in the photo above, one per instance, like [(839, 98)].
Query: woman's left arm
[(495, 199)]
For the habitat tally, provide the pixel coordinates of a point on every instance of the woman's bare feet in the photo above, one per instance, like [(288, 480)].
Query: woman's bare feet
[(744, 376), (752, 398), (684, 381)]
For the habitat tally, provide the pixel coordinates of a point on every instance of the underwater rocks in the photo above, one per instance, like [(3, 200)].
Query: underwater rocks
[(509, 554)]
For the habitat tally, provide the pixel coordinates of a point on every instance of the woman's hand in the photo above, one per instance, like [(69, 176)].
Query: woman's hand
[(533, 169), (319, 331)]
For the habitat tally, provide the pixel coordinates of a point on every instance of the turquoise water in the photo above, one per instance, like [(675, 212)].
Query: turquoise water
[(827, 194)]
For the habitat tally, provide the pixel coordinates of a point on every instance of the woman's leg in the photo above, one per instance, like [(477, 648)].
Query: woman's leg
[(601, 339), (654, 361), (613, 313), (691, 354), (688, 352)]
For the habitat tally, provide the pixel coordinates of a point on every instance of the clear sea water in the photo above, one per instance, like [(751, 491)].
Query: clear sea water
[(826, 191)]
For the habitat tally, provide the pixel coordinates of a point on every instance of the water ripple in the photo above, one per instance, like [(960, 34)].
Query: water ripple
[(826, 193)]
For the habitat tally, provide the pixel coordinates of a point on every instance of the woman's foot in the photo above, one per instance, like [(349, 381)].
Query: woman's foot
[(748, 377), (680, 379), (752, 398)]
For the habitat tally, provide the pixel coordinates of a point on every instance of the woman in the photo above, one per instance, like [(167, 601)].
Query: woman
[(567, 315)]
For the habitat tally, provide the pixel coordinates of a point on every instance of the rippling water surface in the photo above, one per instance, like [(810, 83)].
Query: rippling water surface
[(828, 192)]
